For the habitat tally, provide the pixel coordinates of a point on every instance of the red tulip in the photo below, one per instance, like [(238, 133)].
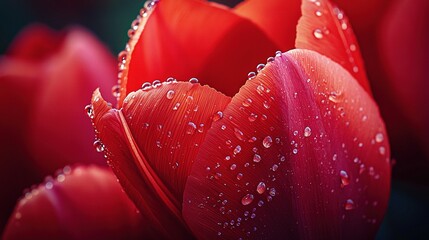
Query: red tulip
[(46, 78), (67, 207), (298, 150)]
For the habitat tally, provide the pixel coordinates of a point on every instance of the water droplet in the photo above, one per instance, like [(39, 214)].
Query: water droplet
[(282, 158), (261, 188), (98, 145), (252, 117), (170, 80), (239, 134), (223, 127), (272, 192), (227, 158), (257, 158), (116, 90), (122, 57), (350, 205), (344, 25), (295, 151), (49, 185), (176, 106), (251, 75), (247, 199), (335, 97), (379, 137), (355, 69), (146, 86), (307, 132), (382, 150), (278, 53), (318, 13), (267, 142), (270, 59), (193, 80), (233, 167), (247, 102), (261, 203), (345, 180), (318, 33), (266, 104), (237, 150), (239, 176), (260, 67), (170, 94), (190, 129), (156, 84), (352, 47), (275, 167), (217, 116), (89, 111)]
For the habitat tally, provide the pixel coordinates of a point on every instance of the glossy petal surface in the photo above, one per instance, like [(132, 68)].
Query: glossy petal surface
[(277, 18), (324, 28), (80, 203), (186, 39), (152, 142), (290, 158)]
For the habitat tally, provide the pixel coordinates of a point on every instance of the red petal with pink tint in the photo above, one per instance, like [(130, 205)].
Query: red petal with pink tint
[(57, 125), (192, 38), (301, 152), (404, 45), (152, 142), (277, 18), (325, 29), (80, 203)]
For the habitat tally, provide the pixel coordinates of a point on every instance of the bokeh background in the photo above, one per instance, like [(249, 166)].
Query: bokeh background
[(109, 20)]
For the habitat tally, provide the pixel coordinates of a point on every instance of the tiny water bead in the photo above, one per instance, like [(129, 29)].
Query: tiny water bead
[(98, 145), (256, 158), (318, 13), (116, 90), (251, 75), (260, 67), (379, 137), (170, 94), (307, 132), (349, 205), (267, 142), (156, 84), (237, 150), (146, 86), (247, 199), (89, 111), (217, 116), (317, 33), (190, 128), (278, 53), (193, 80), (270, 59), (261, 187), (345, 180)]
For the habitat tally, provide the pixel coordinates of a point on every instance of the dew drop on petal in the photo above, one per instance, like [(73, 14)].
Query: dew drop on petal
[(257, 158), (350, 205), (251, 75), (379, 137), (116, 90), (345, 180), (156, 84), (237, 150), (318, 33), (98, 145), (217, 116), (247, 199), (89, 111), (146, 86), (260, 67), (261, 188), (307, 132), (170, 94), (267, 142), (272, 192), (193, 80), (190, 128)]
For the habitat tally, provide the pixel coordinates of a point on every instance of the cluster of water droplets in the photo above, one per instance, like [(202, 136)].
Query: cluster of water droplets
[(123, 56)]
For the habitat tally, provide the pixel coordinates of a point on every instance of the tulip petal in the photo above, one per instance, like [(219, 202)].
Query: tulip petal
[(301, 152), (80, 203), (191, 38), (280, 26), (152, 142), (57, 124), (324, 28)]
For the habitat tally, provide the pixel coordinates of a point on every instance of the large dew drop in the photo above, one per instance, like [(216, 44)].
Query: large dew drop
[(267, 142), (247, 199)]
